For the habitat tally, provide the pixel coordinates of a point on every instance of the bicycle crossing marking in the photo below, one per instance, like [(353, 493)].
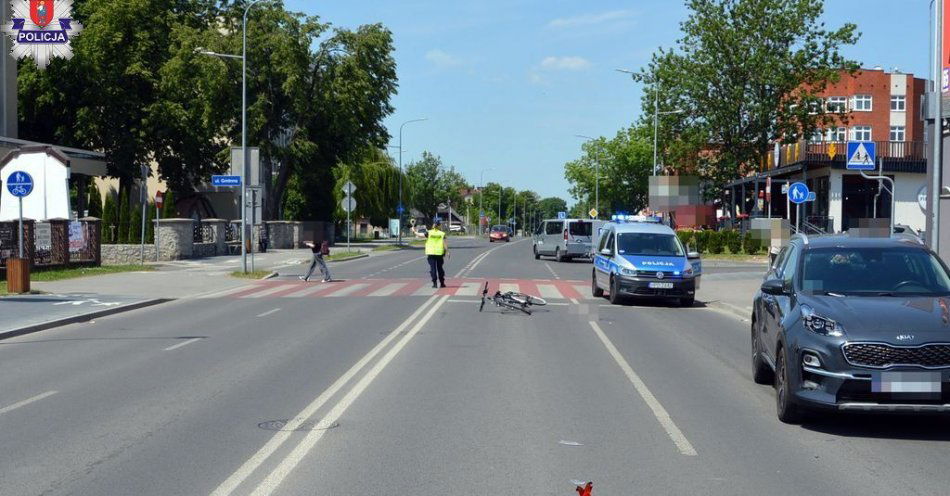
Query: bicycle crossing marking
[(469, 289), (388, 289), (507, 286), (346, 290), (549, 291)]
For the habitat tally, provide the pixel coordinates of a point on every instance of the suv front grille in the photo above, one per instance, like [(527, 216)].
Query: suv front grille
[(879, 355)]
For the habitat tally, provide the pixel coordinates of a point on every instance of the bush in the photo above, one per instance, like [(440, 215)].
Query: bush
[(686, 237), (109, 219), (124, 218), (715, 242), (150, 223), (702, 240), (750, 244), (94, 201), (168, 207), (733, 241)]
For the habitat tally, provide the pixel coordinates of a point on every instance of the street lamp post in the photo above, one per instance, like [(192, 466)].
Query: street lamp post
[(401, 207), (244, 165), (656, 109), (481, 197), (597, 174)]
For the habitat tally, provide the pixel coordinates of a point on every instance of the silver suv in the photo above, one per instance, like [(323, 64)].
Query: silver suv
[(563, 239)]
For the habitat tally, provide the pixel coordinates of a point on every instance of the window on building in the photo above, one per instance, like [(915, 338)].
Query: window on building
[(861, 103), (898, 103), (836, 134), (861, 133), (897, 133), (836, 104), (817, 135)]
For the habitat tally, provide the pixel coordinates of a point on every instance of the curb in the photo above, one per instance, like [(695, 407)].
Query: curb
[(269, 276), (42, 326), (729, 308), (354, 257)]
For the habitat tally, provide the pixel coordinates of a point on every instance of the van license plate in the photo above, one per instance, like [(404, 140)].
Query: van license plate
[(661, 285)]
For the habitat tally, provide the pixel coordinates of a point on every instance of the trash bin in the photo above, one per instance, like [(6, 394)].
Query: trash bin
[(18, 275)]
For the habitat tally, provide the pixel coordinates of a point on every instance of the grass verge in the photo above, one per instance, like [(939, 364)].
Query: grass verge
[(46, 275), (385, 248), (741, 257), (254, 274), (342, 254)]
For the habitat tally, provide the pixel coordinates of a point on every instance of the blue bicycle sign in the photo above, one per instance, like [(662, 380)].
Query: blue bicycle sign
[(20, 184)]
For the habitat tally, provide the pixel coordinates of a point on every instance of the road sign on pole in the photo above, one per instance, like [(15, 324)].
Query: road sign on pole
[(217, 180), (349, 188), (861, 155), (20, 184), (562, 215), (798, 193), (593, 213)]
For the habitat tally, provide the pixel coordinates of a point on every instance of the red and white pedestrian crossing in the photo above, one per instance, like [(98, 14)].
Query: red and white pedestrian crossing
[(549, 289)]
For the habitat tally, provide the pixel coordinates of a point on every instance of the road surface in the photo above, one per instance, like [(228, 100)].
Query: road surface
[(376, 385)]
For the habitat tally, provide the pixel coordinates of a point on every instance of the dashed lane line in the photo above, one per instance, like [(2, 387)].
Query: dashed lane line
[(27, 401)]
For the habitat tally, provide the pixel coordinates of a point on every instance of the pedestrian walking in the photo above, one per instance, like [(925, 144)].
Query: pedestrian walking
[(318, 253), (437, 249)]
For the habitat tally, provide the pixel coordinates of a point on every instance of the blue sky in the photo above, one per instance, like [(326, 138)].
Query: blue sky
[(507, 84)]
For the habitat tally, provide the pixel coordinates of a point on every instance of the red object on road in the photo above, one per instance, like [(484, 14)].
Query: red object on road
[(586, 490)]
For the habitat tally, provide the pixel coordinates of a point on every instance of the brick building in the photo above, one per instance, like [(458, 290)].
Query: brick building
[(879, 106)]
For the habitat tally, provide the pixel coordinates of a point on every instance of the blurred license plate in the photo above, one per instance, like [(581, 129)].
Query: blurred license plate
[(661, 285), (906, 382)]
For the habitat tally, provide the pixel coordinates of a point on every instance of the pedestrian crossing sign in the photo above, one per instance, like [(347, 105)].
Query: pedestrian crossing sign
[(861, 155)]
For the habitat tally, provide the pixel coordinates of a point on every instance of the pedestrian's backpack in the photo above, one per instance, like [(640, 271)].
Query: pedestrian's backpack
[(324, 248)]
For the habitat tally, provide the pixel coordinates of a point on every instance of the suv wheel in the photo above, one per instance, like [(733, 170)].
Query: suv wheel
[(594, 288), (688, 301), (614, 296), (536, 255), (557, 254), (785, 407), (761, 373)]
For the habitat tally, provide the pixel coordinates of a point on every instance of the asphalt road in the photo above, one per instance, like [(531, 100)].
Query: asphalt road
[(375, 385)]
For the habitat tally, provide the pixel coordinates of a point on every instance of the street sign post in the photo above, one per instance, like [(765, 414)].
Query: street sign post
[(349, 205), (861, 155), (20, 185), (798, 194), (225, 181)]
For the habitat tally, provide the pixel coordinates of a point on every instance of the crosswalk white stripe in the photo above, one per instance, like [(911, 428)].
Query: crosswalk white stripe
[(219, 294), (425, 291), (469, 289), (506, 287), (388, 289), (268, 291), (584, 291), (347, 290), (307, 291), (550, 291)]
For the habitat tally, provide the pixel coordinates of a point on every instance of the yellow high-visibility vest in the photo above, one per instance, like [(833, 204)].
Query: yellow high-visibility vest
[(434, 245)]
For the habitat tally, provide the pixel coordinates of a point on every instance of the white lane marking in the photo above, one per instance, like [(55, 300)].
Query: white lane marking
[(682, 444), (506, 287), (477, 260), (550, 291), (26, 402), (265, 314), (388, 289), (347, 290), (286, 465), (584, 291), (574, 301), (183, 343), (469, 289), (552, 270), (269, 291), (218, 294), (425, 291), (304, 292), (255, 461)]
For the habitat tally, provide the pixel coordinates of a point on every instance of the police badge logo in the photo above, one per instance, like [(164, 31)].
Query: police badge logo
[(41, 29)]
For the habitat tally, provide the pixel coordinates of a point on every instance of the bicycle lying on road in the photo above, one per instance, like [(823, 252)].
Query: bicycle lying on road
[(511, 300)]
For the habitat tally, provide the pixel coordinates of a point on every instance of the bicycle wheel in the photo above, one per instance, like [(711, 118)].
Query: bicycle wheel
[(527, 299), (508, 302)]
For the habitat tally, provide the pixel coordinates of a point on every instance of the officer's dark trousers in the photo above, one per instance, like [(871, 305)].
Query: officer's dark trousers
[(435, 268)]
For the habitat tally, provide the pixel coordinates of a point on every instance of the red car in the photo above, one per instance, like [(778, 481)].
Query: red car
[(499, 233)]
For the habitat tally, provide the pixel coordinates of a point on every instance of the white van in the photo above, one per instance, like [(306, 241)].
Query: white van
[(563, 239)]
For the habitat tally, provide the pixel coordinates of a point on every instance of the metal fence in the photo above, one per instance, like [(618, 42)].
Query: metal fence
[(53, 243), (202, 233)]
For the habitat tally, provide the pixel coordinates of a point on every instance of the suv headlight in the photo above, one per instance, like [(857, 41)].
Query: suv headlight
[(628, 272), (820, 325)]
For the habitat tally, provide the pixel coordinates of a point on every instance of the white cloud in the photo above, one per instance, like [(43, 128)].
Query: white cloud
[(565, 63), (590, 19), (442, 59)]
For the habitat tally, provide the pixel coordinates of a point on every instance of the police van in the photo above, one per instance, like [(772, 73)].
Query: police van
[(637, 256)]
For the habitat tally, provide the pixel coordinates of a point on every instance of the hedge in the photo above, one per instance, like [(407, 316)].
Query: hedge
[(717, 242)]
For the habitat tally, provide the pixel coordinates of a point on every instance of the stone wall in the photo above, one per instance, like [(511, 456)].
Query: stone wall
[(281, 234), (175, 239), (126, 254)]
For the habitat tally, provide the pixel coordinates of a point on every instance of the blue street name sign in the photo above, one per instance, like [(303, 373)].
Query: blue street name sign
[(20, 184), (798, 193), (861, 155), (225, 180)]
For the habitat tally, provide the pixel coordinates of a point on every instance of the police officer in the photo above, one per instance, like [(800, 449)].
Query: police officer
[(436, 251)]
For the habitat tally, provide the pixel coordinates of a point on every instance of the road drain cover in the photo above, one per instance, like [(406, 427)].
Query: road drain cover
[(281, 425)]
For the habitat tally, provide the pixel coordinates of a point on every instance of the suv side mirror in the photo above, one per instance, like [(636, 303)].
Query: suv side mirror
[(774, 287), (693, 255), (606, 251)]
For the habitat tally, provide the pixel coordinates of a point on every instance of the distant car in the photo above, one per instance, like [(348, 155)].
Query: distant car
[(499, 233), (422, 232), (459, 228), (844, 323), (563, 239)]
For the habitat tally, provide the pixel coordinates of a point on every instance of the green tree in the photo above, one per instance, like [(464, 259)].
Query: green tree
[(110, 218), (150, 223), (94, 200), (135, 223), (423, 179), (169, 211), (745, 73), (626, 160), (550, 207), (377, 187), (125, 217)]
